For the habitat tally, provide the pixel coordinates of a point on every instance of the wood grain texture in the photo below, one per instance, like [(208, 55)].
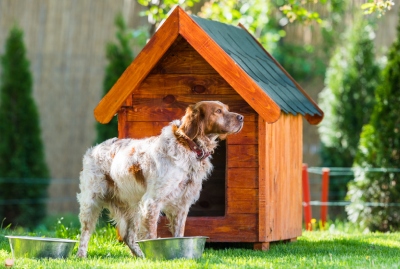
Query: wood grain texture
[(235, 206), (242, 194), (142, 129), (264, 246), (228, 69), (240, 200), (138, 69), (191, 61), (123, 126), (182, 84), (262, 183), (248, 134), (152, 107), (243, 156), (232, 228), (246, 178), (282, 161)]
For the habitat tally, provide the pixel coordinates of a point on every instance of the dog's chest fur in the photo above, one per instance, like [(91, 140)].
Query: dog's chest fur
[(160, 166)]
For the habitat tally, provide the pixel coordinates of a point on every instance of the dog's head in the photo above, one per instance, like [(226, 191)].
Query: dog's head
[(211, 119)]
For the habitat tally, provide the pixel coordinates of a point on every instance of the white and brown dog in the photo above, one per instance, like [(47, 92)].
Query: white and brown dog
[(136, 179)]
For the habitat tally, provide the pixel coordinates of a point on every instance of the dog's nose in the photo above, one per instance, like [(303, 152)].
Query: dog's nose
[(240, 118)]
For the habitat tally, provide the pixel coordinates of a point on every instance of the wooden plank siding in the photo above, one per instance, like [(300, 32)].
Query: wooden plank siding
[(242, 175), (150, 106), (280, 199), (230, 228)]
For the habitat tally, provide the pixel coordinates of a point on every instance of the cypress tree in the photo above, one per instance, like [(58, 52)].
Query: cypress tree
[(380, 148), (24, 174), (347, 101)]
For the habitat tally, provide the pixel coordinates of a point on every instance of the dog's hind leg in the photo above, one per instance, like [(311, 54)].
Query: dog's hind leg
[(89, 213)]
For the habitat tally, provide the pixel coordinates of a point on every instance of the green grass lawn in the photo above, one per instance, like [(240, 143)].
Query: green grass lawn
[(317, 249)]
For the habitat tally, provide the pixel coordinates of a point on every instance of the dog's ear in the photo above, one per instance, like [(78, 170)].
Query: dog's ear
[(192, 124)]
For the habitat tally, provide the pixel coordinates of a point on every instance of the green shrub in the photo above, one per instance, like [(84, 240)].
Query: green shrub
[(347, 101), (380, 147), (24, 174)]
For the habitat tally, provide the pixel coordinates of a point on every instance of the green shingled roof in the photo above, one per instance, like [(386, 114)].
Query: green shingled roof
[(252, 58)]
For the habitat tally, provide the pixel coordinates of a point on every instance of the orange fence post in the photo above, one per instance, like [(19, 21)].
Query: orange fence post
[(306, 199), (324, 195)]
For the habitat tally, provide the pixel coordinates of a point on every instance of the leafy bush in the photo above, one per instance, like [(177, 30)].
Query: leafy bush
[(380, 147), (23, 171), (347, 101)]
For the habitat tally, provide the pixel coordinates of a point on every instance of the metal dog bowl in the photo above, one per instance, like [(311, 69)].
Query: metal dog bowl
[(173, 247), (40, 247)]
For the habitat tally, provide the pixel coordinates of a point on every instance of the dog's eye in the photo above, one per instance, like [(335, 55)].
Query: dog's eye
[(219, 111)]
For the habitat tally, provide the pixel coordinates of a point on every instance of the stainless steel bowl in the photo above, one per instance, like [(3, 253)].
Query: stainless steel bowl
[(173, 247), (40, 247)]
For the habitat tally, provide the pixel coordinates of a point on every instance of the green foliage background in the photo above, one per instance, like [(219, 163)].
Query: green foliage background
[(21, 149), (347, 101), (380, 147)]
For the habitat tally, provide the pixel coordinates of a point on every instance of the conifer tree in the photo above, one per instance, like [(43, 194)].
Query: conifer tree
[(24, 174), (347, 101), (380, 148)]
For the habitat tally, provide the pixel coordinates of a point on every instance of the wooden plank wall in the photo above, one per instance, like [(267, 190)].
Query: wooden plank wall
[(280, 202)]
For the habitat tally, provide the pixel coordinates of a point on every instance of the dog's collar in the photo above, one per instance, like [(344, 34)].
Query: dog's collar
[(201, 153)]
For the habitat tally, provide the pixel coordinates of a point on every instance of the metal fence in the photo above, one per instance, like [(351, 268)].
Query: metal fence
[(320, 202), (63, 186)]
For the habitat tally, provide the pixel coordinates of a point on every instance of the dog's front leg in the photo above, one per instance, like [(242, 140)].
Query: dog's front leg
[(150, 222), (149, 214), (178, 221)]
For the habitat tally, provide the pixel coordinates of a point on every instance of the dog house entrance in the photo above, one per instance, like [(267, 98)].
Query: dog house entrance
[(212, 196)]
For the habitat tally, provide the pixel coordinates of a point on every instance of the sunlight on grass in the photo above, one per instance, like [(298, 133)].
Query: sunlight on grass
[(339, 246)]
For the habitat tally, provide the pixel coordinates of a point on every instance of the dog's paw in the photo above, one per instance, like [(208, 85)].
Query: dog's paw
[(81, 254)]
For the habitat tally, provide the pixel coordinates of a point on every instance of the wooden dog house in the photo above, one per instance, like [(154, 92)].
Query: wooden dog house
[(254, 194)]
